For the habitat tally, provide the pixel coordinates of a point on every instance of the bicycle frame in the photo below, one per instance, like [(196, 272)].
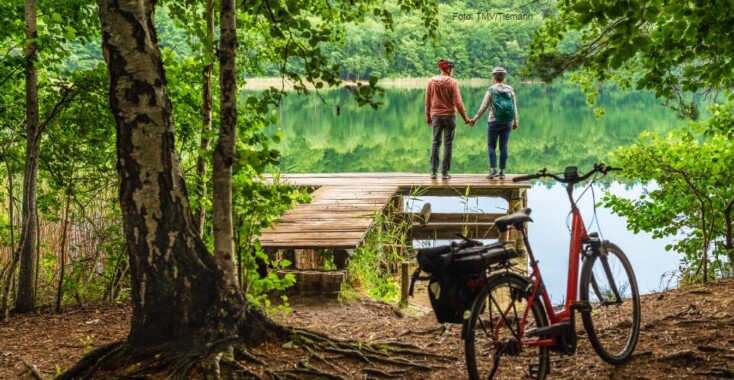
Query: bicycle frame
[(579, 236), (522, 301)]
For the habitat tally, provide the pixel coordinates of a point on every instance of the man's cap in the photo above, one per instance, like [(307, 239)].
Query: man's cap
[(445, 64)]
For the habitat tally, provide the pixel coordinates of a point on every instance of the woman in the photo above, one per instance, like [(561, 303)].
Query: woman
[(500, 100)]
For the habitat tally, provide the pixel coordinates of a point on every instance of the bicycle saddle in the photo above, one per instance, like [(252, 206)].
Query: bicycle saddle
[(515, 219)]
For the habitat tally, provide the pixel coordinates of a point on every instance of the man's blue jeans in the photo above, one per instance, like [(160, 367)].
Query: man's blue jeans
[(497, 131), (444, 128)]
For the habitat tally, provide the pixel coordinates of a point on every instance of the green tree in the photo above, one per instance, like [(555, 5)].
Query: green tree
[(26, 298), (695, 193), (674, 48)]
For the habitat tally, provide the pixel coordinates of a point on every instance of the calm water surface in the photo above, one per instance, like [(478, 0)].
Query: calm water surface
[(557, 129)]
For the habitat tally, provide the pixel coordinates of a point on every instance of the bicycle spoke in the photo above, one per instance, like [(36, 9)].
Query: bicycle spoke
[(610, 277), (499, 353)]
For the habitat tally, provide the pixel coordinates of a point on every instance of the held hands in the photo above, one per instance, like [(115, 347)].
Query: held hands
[(470, 122), (514, 125)]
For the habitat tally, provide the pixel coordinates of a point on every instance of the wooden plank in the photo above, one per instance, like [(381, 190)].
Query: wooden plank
[(294, 219), (313, 242), (346, 231), (289, 235), (309, 245), (440, 218), (338, 208), (356, 222)]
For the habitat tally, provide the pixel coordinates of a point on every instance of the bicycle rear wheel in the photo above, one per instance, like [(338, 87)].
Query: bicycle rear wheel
[(613, 321), (493, 331)]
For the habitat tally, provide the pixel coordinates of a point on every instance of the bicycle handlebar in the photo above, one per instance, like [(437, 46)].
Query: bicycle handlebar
[(570, 175)]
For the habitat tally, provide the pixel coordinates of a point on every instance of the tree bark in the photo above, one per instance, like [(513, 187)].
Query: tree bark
[(62, 254), (206, 117), (7, 273), (25, 298), (179, 294), (225, 149), (728, 234)]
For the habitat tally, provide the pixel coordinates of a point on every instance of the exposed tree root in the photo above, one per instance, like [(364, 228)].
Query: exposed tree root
[(241, 353), (300, 373), (91, 361), (392, 354), (33, 370), (230, 358), (432, 331)]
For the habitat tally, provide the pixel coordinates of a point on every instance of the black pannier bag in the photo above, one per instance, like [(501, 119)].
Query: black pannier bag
[(457, 274)]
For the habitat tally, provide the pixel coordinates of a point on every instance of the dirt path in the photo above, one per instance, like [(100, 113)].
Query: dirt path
[(686, 333)]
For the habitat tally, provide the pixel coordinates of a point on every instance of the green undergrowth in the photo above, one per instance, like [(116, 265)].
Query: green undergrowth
[(257, 208), (373, 267)]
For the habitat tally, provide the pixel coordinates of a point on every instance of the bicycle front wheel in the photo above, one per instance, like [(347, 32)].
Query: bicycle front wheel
[(494, 333), (613, 319)]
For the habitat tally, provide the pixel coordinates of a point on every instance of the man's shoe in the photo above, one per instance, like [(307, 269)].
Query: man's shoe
[(492, 174), (502, 174), (434, 175), (445, 176)]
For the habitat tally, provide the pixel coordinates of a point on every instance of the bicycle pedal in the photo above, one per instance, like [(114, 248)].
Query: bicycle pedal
[(534, 370)]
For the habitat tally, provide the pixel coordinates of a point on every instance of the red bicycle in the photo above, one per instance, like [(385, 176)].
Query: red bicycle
[(513, 325)]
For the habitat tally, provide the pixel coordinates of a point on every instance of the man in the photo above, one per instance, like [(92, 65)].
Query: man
[(443, 99), (500, 99)]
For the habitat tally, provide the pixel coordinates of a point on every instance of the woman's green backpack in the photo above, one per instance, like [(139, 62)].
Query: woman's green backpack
[(504, 108)]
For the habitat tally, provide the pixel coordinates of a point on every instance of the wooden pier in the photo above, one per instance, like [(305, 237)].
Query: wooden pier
[(344, 206)]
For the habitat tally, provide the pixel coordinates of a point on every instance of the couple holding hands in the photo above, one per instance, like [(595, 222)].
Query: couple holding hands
[(443, 100)]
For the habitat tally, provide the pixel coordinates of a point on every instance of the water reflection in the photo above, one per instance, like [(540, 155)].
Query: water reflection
[(556, 130)]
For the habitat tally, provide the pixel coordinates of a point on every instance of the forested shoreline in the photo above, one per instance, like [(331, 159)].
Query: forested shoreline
[(469, 33)]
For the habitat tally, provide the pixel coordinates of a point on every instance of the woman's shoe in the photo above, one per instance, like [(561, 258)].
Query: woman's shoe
[(492, 174), (502, 174)]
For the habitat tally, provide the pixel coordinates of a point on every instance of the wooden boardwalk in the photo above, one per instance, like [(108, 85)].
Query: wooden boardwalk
[(338, 217), (344, 207)]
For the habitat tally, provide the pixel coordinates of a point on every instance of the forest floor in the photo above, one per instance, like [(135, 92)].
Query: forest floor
[(686, 333)]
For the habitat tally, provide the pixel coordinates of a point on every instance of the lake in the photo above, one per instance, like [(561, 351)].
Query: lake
[(557, 129)]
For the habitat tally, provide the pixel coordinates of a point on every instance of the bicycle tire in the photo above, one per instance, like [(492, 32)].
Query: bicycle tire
[(612, 323), (481, 347)]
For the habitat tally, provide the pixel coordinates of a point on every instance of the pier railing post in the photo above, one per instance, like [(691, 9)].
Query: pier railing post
[(517, 201), (404, 281)]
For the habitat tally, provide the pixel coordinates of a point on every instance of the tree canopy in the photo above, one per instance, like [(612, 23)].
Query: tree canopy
[(675, 48)]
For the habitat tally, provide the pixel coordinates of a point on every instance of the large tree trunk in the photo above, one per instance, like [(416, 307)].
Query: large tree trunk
[(178, 292), (225, 149), (26, 300)]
